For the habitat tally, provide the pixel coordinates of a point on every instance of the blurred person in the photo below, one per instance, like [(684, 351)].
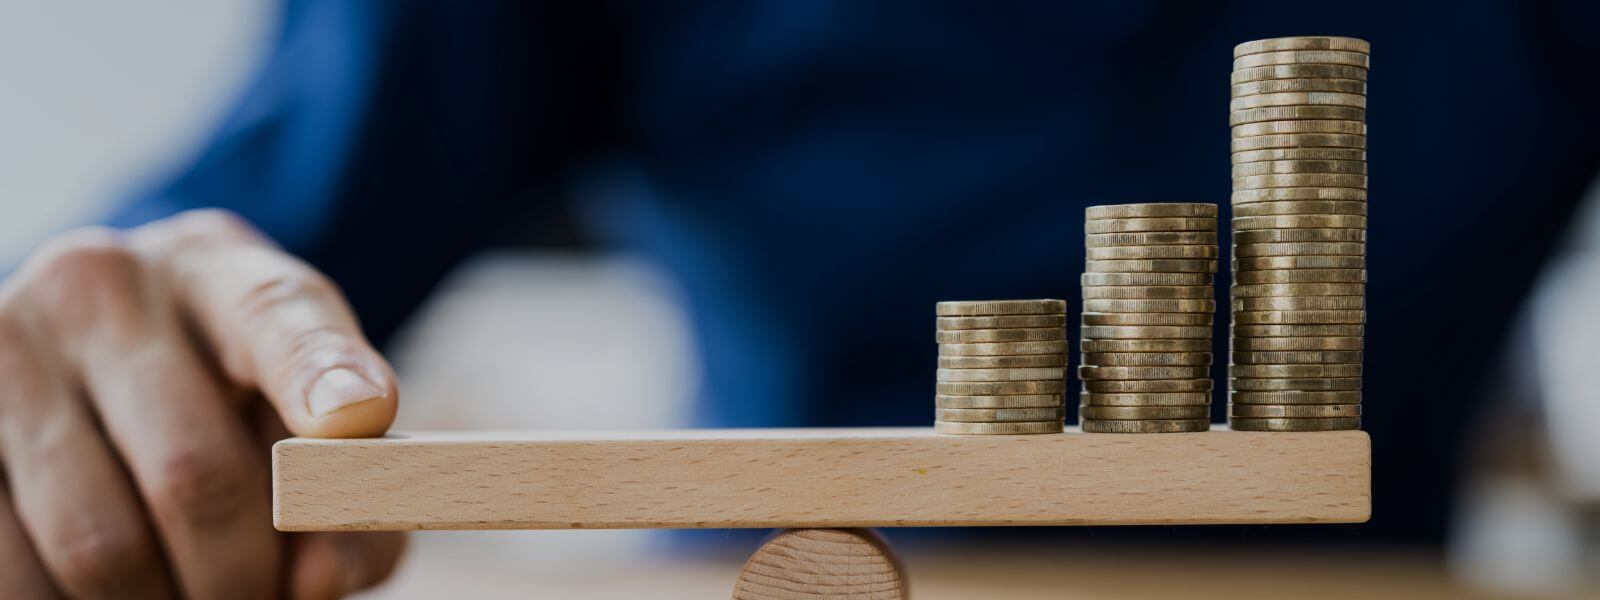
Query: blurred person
[(815, 174)]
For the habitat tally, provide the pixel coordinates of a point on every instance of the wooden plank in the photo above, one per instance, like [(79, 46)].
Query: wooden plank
[(799, 478)]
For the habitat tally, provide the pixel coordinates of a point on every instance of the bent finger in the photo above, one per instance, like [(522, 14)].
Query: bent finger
[(277, 324), (24, 576), (333, 565)]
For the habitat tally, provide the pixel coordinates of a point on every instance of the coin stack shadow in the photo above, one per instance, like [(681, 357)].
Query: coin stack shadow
[(1002, 367), (1148, 305), (1298, 114)]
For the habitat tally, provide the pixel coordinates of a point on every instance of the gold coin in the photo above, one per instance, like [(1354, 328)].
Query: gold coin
[(1150, 224), (1305, 42), (998, 428), (1295, 397), (1303, 57), (1244, 251), (1269, 154), (1298, 317), (1308, 384), (1151, 209), (1298, 193), (1000, 322), (1149, 426), (1147, 252), (1153, 305), (1346, 303), (1335, 424), (1143, 373), (1150, 399), (1273, 86), (969, 336), (1147, 279), (1293, 371), (1273, 331), (1298, 140), (1299, 71), (1099, 318), (1124, 413), (1302, 276), (1003, 362), (1178, 345), (1267, 263), (1300, 222), (1294, 411), (1151, 238), (1003, 348), (1019, 374), (1148, 292), (1290, 167), (1161, 386), (1297, 357), (1277, 236), (1298, 343), (1297, 289), (1299, 126), (1300, 180), (1014, 401), (999, 388), (987, 308), (1144, 332), (998, 415), (1299, 207), (1147, 359), (1159, 265), (1298, 99)]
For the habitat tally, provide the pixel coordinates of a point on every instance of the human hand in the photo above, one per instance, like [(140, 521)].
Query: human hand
[(133, 431)]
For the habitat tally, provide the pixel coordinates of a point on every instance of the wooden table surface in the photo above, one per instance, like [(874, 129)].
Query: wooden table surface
[(440, 567)]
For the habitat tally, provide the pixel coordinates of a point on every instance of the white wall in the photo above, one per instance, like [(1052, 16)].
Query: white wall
[(96, 95)]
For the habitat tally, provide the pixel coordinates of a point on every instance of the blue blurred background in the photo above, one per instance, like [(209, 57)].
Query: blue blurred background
[(739, 214)]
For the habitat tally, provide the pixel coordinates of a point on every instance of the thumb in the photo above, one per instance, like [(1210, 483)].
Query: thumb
[(332, 565), (276, 324)]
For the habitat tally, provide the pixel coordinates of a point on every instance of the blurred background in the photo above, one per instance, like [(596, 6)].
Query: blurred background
[(101, 99)]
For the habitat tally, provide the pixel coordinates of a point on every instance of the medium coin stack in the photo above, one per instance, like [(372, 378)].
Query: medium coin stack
[(1148, 304), (1002, 367), (1299, 233)]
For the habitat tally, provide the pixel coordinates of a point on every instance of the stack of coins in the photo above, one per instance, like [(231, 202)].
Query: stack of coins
[(1002, 367), (1299, 233), (1148, 305)]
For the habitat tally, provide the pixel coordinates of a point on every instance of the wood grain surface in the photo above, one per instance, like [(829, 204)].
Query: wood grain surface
[(802, 564), (808, 478)]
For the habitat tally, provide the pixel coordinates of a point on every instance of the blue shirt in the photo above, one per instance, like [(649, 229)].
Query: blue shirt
[(818, 173)]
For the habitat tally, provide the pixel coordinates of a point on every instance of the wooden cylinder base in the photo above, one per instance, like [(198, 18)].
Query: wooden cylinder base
[(807, 564)]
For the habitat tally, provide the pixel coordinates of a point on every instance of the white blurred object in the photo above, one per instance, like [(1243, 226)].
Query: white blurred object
[(1517, 538), (1564, 315), (523, 340), (100, 94)]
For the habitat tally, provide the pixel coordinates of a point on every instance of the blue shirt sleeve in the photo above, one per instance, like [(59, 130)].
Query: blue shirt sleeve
[(384, 140)]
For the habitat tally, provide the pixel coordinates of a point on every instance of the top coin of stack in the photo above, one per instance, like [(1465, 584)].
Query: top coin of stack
[(1002, 366), (1148, 304), (1298, 113)]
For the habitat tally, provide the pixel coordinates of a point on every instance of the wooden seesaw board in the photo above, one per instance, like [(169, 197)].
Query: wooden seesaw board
[(816, 478)]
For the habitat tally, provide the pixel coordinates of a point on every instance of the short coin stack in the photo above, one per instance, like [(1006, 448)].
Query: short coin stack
[(1002, 367), (1148, 304), (1299, 233)]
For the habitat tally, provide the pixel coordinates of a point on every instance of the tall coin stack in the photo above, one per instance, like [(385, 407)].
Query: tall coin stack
[(1002, 367), (1299, 233), (1148, 304)]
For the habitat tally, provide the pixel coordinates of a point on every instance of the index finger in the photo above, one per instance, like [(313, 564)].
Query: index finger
[(276, 324)]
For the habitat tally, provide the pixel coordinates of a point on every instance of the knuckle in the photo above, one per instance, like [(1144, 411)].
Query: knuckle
[(82, 278), (99, 558), (282, 290), (200, 486), (93, 256), (210, 223)]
